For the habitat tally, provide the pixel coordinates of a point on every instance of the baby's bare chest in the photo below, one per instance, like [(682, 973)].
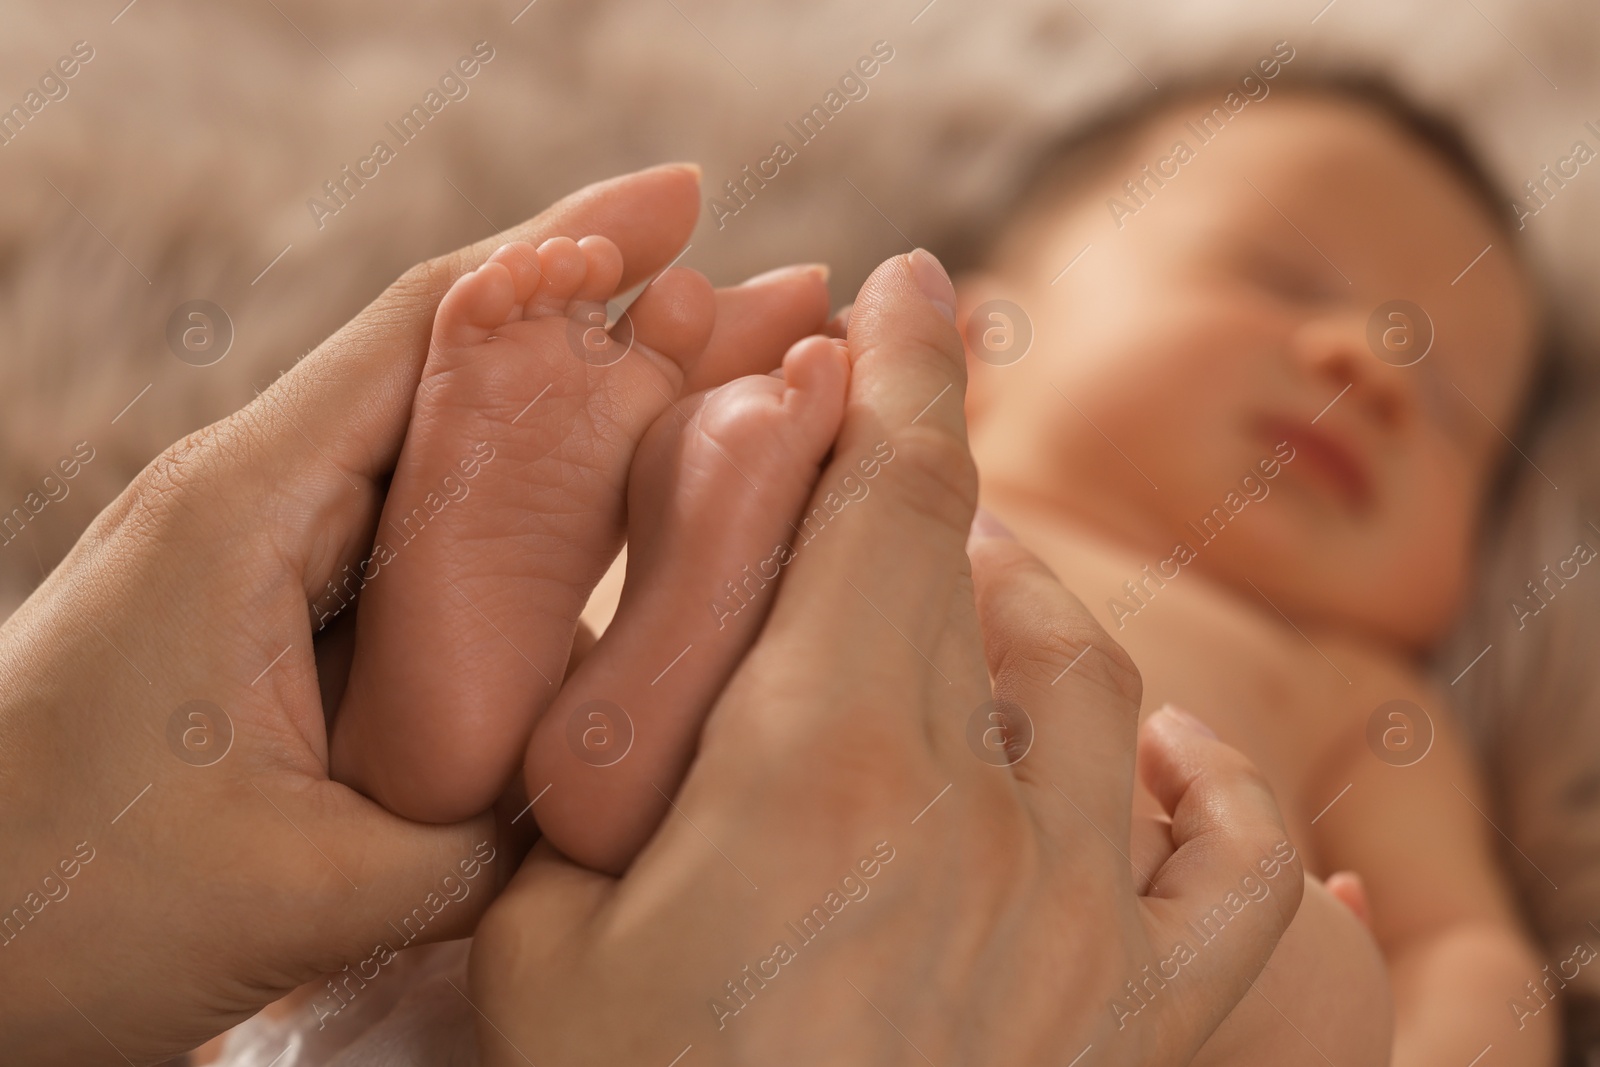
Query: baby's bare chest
[(1288, 709), (1266, 688)]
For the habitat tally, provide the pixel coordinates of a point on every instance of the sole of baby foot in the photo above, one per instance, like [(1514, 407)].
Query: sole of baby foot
[(506, 507), (714, 497)]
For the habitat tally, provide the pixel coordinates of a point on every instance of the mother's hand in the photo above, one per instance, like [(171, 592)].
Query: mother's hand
[(171, 866), (852, 873)]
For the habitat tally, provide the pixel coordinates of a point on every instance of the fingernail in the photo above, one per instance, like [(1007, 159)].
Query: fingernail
[(1189, 721), (934, 282), (820, 270), (692, 168), (984, 524)]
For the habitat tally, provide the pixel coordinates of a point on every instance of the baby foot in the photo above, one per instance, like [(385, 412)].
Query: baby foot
[(713, 497), (505, 508)]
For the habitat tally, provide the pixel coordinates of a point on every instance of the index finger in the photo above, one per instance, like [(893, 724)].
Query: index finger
[(882, 542), (1233, 859), (1067, 691), (353, 394)]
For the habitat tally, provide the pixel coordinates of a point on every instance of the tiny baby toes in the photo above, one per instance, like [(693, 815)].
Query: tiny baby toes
[(717, 482), (506, 506)]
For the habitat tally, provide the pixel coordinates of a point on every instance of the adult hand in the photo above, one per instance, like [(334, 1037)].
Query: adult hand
[(170, 868), (850, 874)]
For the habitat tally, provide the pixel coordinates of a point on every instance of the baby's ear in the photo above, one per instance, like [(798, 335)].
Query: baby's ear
[(992, 327)]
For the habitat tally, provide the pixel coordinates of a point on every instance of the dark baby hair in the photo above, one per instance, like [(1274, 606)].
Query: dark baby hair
[(1094, 150)]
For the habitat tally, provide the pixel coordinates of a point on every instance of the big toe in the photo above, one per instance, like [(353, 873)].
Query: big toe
[(708, 501), (816, 373), (672, 318), (783, 423)]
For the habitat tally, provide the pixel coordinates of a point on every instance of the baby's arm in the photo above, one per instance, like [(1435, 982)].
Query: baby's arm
[(1420, 837), (1323, 996)]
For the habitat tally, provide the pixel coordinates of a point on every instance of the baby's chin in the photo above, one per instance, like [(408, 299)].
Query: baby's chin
[(1321, 565), (1276, 554), (1404, 601)]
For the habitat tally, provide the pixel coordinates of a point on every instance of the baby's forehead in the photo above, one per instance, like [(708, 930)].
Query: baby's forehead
[(1296, 163), (1343, 149), (1194, 140), (1353, 163), (1297, 139)]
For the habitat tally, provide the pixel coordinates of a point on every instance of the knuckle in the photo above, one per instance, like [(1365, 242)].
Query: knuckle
[(168, 484), (933, 474), (1258, 817), (192, 475), (1248, 781), (1079, 649), (925, 342), (424, 277)]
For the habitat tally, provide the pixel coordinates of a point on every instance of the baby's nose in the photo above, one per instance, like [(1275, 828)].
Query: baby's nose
[(1338, 349)]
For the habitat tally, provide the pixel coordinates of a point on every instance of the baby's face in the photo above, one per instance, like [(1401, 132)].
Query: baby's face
[(1230, 314)]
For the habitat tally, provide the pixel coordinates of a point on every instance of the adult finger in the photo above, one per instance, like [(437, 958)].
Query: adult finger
[(883, 539), (376, 360), (758, 321), (1230, 839), (391, 877), (1068, 693), (333, 426), (583, 641), (839, 324)]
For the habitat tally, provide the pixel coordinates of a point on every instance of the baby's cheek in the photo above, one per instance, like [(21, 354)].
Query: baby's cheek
[(1445, 514), (1424, 550)]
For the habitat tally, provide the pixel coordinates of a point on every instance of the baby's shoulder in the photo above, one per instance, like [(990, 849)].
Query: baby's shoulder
[(1388, 706), (1375, 671)]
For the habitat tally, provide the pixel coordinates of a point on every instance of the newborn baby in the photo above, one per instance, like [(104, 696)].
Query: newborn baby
[(1267, 486), (1274, 521)]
